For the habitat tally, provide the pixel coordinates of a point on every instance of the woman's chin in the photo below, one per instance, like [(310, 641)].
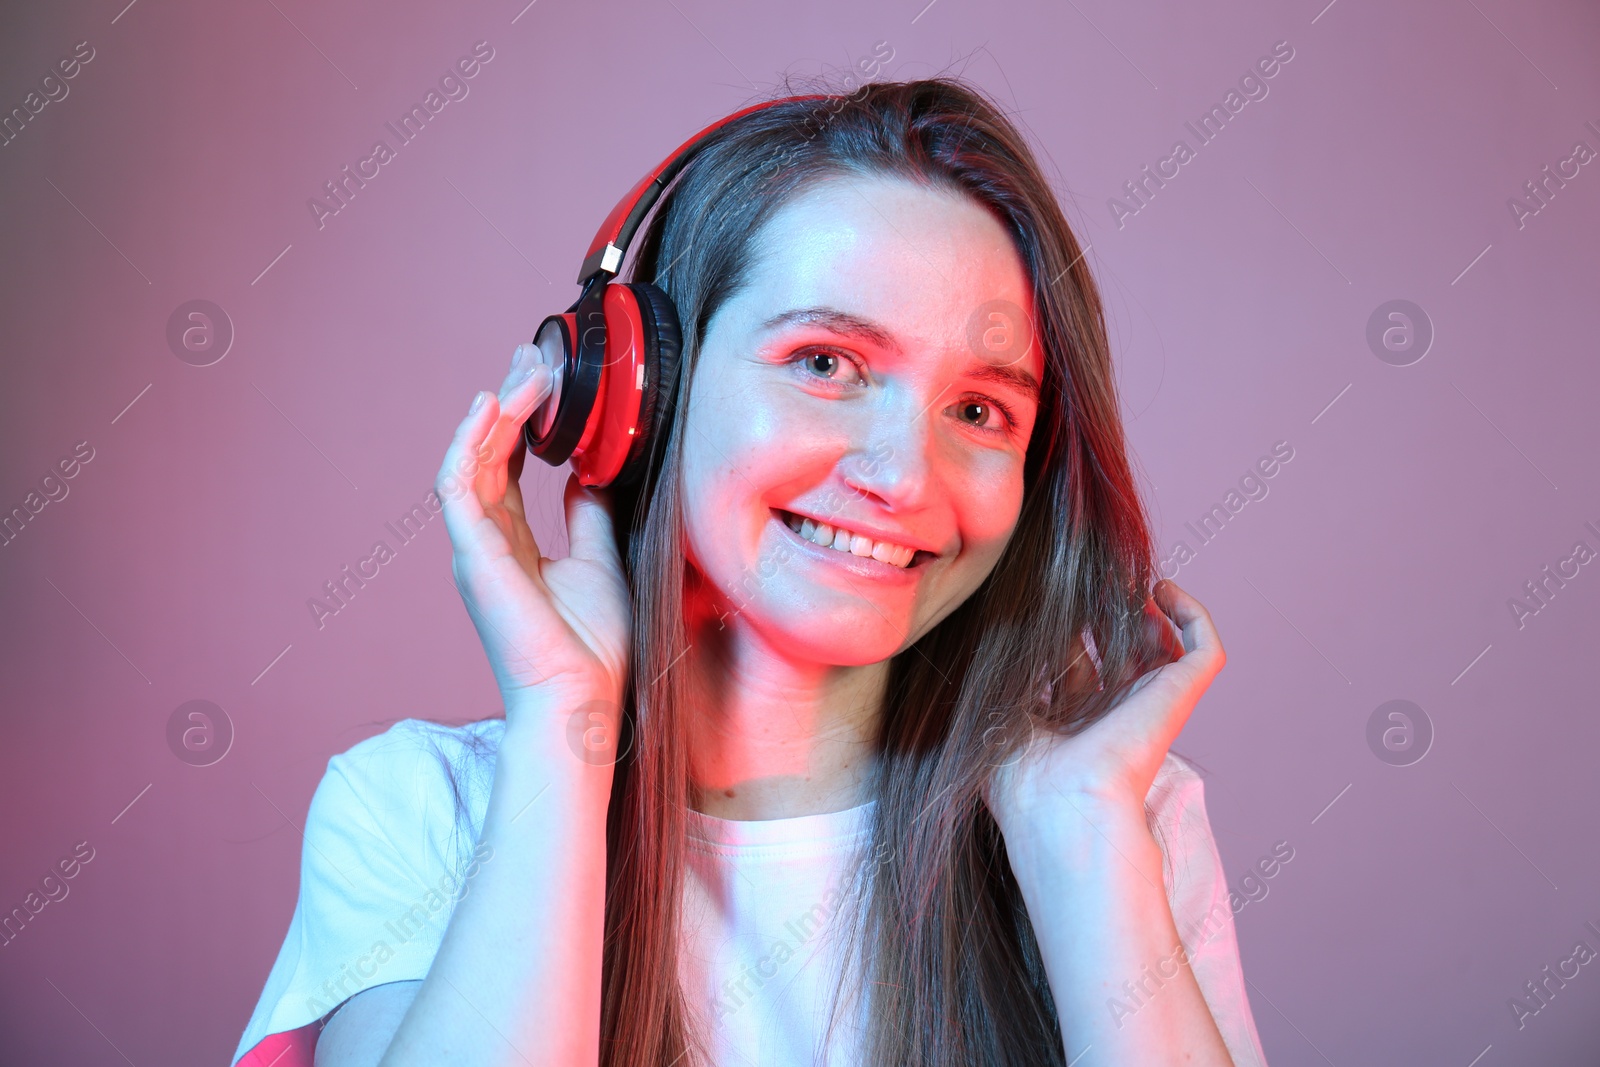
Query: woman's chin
[(840, 643)]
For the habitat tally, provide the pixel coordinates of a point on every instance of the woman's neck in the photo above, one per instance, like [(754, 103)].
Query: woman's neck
[(772, 737)]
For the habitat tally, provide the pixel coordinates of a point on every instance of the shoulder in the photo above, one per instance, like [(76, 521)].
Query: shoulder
[(1177, 778), (415, 756), (1177, 774), (411, 788), (1202, 911), (1177, 798), (1175, 809), (389, 848)]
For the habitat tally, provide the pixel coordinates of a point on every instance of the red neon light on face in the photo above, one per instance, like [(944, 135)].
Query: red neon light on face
[(841, 384)]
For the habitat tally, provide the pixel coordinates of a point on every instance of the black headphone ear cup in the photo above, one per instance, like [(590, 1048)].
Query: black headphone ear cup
[(663, 340)]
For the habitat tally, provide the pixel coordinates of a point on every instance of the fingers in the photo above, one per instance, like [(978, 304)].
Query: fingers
[(1160, 629), (523, 389), (482, 455), (590, 533), (486, 440), (458, 472), (516, 418), (1199, 633), (1172, 689)]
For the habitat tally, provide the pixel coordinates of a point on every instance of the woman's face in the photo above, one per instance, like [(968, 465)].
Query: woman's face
[(873, 375)]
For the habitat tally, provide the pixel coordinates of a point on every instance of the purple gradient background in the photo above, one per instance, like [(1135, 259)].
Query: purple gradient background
[(1378, 567)]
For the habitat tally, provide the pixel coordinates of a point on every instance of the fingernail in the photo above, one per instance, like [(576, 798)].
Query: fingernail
[(521, 357), (477, 402)]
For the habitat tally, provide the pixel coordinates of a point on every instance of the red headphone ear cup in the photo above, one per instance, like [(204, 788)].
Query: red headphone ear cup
[(583, 346), (663, 343)]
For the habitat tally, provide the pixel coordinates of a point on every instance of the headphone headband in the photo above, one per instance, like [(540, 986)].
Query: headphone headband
[(610, 243), (614, 353)]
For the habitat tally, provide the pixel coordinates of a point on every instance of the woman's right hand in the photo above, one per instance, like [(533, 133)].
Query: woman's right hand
[(554, 630)]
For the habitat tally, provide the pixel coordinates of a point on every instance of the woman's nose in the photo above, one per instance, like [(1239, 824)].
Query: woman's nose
[(893, 466)]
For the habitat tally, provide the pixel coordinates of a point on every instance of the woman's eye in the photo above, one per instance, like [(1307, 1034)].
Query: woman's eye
[(975, 412), (831, 366), (837, 368), (984, 415)]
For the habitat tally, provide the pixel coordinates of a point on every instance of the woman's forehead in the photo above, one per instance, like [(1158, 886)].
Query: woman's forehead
[(920, 262)]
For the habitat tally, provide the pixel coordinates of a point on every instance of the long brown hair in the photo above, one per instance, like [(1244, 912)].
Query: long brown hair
[(956, 974)]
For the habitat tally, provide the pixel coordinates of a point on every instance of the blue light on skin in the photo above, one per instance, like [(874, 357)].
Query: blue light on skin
[(896, 428)]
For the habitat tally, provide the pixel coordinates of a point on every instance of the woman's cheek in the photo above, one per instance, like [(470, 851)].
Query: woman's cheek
[(992, 502)]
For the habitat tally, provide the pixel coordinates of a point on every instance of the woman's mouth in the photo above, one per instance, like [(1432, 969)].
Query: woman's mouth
[(848, 542)]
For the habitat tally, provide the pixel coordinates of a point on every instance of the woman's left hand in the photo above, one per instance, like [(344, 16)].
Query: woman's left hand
[(1115, 760)]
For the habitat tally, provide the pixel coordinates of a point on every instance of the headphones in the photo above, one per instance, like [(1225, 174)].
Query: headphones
[(614, 352)]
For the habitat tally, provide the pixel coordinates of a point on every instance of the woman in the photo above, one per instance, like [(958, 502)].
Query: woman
[(842, 736)]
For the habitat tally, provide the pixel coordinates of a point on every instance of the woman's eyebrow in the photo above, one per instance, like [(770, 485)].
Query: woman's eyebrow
[(847, 325), (840, 322), (1007, 374)]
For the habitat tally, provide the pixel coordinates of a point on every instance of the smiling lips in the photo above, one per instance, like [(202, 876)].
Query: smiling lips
[(842, 540)]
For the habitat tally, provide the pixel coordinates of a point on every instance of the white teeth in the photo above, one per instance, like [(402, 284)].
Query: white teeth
[(844, 541)]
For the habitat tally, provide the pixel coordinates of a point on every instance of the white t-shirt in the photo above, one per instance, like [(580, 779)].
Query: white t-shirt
[(383, 865)]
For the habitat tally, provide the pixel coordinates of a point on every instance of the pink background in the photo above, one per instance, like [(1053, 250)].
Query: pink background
[(1379, 566)]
